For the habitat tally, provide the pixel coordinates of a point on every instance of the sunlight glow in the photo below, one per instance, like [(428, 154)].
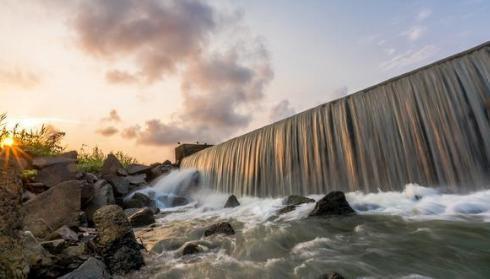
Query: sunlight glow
[(7, 142)]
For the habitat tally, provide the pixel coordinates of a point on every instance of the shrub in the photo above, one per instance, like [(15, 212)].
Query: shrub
[(92, 161)]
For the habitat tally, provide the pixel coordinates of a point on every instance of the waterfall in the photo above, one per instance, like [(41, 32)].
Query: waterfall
[(429, 126)]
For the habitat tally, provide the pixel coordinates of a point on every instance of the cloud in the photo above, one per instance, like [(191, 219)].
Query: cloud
[(281, 110), (415, 32), (424, 14), (108, 131), (18, 78), (157, 35), (117, 76), (131, 132), (113, 117), (410, 57), (158, 133)]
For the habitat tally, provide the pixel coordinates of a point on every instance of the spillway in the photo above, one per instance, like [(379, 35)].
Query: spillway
[(429, 126)]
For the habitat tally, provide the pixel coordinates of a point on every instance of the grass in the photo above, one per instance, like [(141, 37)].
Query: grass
[(48, 142)]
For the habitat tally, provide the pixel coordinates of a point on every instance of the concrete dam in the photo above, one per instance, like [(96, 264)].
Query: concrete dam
[(430, 126)]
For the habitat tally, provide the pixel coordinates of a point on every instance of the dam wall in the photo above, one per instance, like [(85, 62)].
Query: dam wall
[(429, 126)]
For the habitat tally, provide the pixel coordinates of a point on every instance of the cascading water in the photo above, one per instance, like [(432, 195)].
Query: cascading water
[(430, 126)]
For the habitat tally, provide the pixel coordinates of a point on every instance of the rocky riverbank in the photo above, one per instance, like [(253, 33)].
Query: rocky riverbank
[(69, 224)]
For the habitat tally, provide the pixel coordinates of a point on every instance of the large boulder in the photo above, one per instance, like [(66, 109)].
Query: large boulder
[(90, 269), (111, 166), (232, 202), (116, 241), (219, 228), (134, 169), (54, 208), (333, 204), (103, 195), (140, 200), (142, 217), (65, 158), (120, 184), (54, 174), (137, 180)]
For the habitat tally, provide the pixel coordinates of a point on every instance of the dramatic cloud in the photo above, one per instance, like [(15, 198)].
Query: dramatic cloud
[(108, 131), (220, 87), (18, 78), (157, 35), (113, 117), (281, 111), (116, 76)]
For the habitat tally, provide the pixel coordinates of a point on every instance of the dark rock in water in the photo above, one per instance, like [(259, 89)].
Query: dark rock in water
[(54, 208), (116, 241), (120, 185), (140, 200), (219, 228), (138, 169), (111, 166), (173, 201), (57, 173), (64, 233), (103, 195), (142, 217), (168, 244), (232, 202), (191, 248), (334, 203), (65, 158), (366, 206), (297, 200), (331, 275), (54, 246), (286, 209), (90, 269)]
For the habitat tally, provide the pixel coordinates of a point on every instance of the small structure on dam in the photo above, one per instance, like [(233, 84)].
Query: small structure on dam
[(429, 126), (187, 149)]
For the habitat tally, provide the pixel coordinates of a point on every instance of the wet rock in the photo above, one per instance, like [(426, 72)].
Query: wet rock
[(103, 195), (57, 173), (110, 166), (297, 200), (169, 244), (116, 240), (331, 275), (142, 217), (65, 158), (54, 246), (139, 179), (120, 185), (191, 248), (64, 233), (219, 228), (232, 202), (134, 169), (140, 200), (178, 201), (286, 209), (334, 203), (54, 208), (90, 269)]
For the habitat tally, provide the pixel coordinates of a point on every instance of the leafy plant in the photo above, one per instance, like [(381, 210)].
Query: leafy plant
[(92, 160)]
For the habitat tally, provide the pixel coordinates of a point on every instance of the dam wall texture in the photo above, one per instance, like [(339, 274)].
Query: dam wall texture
[(429, 126)]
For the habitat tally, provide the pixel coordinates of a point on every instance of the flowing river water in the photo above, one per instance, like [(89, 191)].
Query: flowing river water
[(418, 232)]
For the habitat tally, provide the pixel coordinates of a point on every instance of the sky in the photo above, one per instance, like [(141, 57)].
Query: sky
[(140, 76)]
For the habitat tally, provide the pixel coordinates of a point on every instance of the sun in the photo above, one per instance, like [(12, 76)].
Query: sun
[(7, 142)]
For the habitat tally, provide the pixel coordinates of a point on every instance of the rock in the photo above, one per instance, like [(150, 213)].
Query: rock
[(138, 169), (110, 166), (232, 202), (178, 201), (27, 196), (87, 193), (54, 246), (116, 240), (57, 173), (334, 203), (331, 275), (65, 158), (167, 163), (120, 185), (90, 177), (297, 200), (191, 248), (64, 233), (168, 244), (219, 228), (140, 200), (122, 172), (36, 187), (286, 209), (139, 179), (90, 269), (54, 208), (34, 252), (142, 217), (103, 195)]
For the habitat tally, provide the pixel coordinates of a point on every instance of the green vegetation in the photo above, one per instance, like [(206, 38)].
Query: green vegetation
[(47, 142)]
